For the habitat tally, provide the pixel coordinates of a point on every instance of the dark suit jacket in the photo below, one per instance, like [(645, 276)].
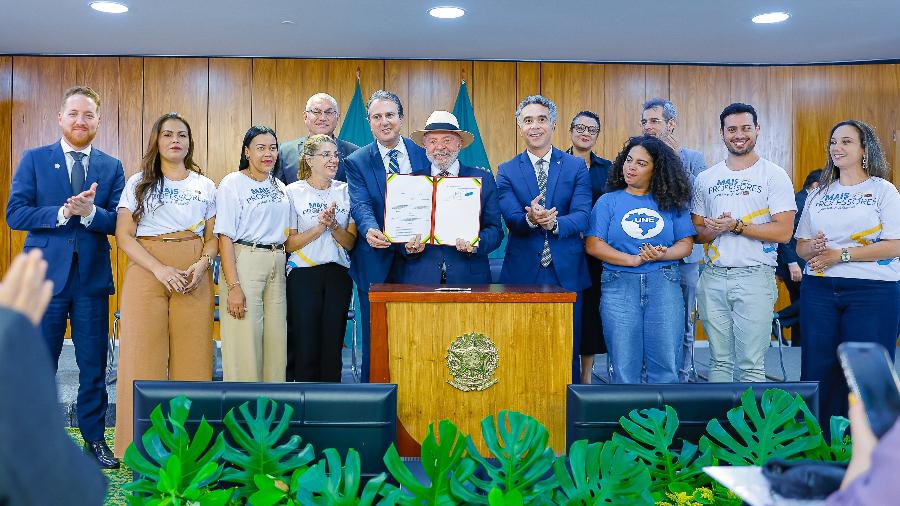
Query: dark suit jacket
[(599, 172), (787, 252), (462, 268), (366, 179), (289, 158), (39, 187), (569, 191), (39, 464)]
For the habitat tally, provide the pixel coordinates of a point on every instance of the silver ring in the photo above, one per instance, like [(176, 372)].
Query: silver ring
[(170, 280)]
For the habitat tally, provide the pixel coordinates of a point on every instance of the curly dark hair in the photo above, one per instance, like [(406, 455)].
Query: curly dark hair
[(669, 183)]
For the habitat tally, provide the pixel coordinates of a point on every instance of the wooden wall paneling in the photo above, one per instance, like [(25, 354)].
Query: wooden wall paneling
[(230, 113), (624, 93), (179, 85), (396, 80), (38, 84), (263, 110), (656, 81), (700, 93), (572, 86), (342, 82), (493, 90), (528, 82), (297, 80), (6, 72), (874, 99), (131, 146), (821, 98), (768, 90)]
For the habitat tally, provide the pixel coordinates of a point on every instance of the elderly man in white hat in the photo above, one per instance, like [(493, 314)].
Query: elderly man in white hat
[(465, 263)]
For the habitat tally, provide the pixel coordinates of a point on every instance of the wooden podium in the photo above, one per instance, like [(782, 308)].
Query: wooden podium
[(412, 327)]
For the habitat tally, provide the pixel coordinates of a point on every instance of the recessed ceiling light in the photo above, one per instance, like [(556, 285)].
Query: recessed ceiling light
[(109, 7), (771, 17), (287, 22), (446, 12)]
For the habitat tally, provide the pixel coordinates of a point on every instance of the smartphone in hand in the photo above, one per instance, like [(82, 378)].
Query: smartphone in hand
[(871, 376)]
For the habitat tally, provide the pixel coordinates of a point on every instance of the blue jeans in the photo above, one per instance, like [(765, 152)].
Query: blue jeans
[(838, 310), (643, 323)]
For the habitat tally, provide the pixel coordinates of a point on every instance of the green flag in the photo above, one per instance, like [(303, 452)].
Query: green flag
[(356, 127), (474, 155)]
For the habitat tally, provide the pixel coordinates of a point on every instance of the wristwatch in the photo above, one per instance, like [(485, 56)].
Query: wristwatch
[(845, 255)]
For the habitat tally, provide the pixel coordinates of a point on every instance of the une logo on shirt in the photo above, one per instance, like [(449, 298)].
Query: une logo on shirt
[(642, 223)]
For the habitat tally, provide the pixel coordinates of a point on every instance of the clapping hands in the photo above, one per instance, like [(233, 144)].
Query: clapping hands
[(541, 216)]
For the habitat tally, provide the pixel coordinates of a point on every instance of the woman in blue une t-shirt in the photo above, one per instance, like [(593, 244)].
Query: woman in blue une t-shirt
[(640, 231)]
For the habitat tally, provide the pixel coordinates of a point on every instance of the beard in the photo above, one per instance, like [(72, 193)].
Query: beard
[(748, 147), (452, 157)]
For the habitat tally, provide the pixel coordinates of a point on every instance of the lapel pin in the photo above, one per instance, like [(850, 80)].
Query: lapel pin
[(55, 165)]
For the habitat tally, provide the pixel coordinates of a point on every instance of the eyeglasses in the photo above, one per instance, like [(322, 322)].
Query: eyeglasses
[(652, 121), (328, 154), (319, 113), (584, 128)]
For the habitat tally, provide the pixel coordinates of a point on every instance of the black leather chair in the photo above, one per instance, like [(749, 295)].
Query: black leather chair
[(593, 411), (326, 415)]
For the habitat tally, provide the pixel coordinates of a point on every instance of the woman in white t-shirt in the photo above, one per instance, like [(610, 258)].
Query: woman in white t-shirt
[(253, 215), (318, 283), (849, 234), (165, 226)]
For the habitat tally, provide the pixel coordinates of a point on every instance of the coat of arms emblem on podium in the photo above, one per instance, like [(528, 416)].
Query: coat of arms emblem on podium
[(472, 359)]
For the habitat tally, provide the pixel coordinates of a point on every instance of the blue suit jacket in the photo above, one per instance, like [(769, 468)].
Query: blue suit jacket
[(39, 187), (569, 191), (366, 179), (462, 268)]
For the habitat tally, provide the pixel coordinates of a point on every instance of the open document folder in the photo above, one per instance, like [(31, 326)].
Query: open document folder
[(438, 209)]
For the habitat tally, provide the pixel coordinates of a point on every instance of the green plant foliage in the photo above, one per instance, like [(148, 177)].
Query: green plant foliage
[(524, 459), (601, 473), (273, 492), (328, 483), (838, 448), (256, 453), (179, 468), (756, 437), (441, 458), (497, 498), (652, 433)]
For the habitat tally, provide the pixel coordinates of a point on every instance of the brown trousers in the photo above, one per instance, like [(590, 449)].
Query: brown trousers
[(164, 335)]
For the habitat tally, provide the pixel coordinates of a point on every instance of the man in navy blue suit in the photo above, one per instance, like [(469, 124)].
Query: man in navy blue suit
[(462, 262), (545, 199), (65, 195), (374, 259)]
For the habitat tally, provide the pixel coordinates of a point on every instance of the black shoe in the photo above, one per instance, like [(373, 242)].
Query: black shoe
[(101, 452)]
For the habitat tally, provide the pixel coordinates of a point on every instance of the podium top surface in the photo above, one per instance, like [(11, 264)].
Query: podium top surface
[(469, 293)]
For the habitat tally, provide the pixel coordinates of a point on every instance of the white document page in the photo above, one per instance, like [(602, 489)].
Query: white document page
[(407, 207), (457, 210)]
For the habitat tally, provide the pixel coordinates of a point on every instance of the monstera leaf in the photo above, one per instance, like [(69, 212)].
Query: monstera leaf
[(441, 459), (329, 483), (651, 434), (780, 430), (601, 473), (256, 452), (519, 444), (839, 447), (178, 466)]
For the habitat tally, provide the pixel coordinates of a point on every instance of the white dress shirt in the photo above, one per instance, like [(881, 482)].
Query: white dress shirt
[(453, 169), (61, 219), (402, 158)]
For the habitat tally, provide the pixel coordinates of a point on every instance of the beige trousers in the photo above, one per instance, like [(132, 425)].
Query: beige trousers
[(255, 347), (164, 335)]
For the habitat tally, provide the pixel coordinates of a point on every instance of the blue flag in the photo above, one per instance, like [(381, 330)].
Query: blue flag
[(356, 127), (474, 155)]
